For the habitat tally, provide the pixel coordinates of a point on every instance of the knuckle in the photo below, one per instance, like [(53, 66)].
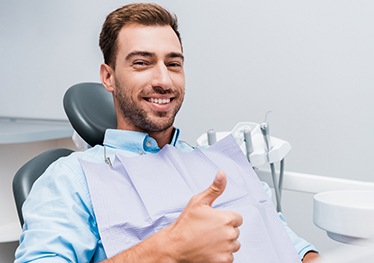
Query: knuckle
[(233, 234), (229, 258), (194, 199), (213, 189), (237, 246), (225, 258), (234, 219), (239, 218)]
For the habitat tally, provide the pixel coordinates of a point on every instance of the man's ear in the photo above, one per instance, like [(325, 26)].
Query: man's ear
[(107, 77)]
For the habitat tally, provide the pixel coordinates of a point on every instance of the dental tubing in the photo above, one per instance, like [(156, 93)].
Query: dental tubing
[(277, 184)]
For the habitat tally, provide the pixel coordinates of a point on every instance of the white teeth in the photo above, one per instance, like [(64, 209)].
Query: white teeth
[(159, 101)]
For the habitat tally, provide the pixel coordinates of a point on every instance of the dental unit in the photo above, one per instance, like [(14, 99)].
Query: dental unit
[(344, 208), (260, 148)]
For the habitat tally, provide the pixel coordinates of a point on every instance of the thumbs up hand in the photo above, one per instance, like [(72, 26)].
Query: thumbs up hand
[(203, 234)]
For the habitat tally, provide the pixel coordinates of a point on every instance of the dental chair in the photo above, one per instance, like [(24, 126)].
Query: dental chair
[(90, 110), (29, 172)]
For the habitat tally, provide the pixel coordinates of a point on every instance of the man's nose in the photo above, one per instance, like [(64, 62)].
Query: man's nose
[(161, 77)]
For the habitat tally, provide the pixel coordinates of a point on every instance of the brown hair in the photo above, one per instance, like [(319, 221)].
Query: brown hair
[(140, 13)]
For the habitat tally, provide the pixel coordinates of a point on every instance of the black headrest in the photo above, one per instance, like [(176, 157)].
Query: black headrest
[(90, 110)]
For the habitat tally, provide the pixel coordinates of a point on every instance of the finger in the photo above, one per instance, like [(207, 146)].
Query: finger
[(237, 232), (234, 234), (237, 219), (208, 196), (236, 246)]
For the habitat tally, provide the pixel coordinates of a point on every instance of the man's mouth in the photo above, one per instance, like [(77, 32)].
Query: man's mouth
[(159, 101)]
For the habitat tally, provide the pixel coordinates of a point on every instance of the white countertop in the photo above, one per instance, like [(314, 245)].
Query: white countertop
[(21, 130)]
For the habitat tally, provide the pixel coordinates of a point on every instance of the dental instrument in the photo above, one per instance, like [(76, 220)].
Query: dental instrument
[(248, 142), (212, 137), (258, 146), (264, 127)]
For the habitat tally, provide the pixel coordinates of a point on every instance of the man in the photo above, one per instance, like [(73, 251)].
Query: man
[(143, 70)]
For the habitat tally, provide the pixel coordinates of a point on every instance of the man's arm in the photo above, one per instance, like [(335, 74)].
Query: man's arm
[(201, 234), (59, 225)]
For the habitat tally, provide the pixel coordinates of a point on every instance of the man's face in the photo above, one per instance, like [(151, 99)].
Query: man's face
[(148, 77)]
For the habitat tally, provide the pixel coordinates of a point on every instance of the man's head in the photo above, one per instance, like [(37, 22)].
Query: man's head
[(143, 14), (143, 67)]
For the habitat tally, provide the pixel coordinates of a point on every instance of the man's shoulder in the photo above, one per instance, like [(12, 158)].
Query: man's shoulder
[(72, 161)]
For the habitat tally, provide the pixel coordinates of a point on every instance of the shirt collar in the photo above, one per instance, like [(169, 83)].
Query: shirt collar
[(134, 141)]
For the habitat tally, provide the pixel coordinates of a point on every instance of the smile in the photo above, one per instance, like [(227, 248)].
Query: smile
[(159, 101)]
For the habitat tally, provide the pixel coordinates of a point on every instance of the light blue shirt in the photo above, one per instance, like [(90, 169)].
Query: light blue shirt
[(60, 225)]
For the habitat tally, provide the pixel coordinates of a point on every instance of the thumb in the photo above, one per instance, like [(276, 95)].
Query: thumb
[(215, 189)]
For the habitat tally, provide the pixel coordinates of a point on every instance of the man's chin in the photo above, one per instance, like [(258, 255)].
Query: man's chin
[(159, 124)]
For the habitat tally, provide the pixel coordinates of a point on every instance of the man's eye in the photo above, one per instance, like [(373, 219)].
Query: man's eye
[(140, 63), (174, 64)]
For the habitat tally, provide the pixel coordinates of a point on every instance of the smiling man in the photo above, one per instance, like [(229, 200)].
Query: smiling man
[(146, 79), (82, 210)]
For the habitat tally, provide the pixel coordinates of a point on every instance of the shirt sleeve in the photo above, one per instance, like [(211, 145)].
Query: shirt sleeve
[(301, 245), (59, 222)]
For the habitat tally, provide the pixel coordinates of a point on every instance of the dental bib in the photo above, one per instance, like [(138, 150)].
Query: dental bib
[(139, 196)]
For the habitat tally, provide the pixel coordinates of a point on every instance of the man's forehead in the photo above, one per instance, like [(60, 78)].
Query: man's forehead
[(153, 39)]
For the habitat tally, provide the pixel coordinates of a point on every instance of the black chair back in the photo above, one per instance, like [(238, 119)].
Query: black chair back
[(29, 172), (90, 110)]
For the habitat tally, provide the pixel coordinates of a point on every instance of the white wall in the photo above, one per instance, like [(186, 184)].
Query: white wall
[(310, 62)]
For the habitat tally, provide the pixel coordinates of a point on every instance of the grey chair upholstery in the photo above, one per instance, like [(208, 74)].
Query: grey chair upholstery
[(90, 110), (29, 172)]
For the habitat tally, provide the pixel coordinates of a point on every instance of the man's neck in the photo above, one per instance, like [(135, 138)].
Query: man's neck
[(162, 137)]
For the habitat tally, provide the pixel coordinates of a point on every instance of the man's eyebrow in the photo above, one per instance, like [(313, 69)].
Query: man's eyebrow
[(151, 54), (139, 53), (175, 55)]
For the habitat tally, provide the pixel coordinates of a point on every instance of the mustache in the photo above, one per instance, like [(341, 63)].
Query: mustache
[(160, 91)]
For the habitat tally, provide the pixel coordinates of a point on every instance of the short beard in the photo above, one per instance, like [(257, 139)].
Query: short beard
[(139, 117)]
